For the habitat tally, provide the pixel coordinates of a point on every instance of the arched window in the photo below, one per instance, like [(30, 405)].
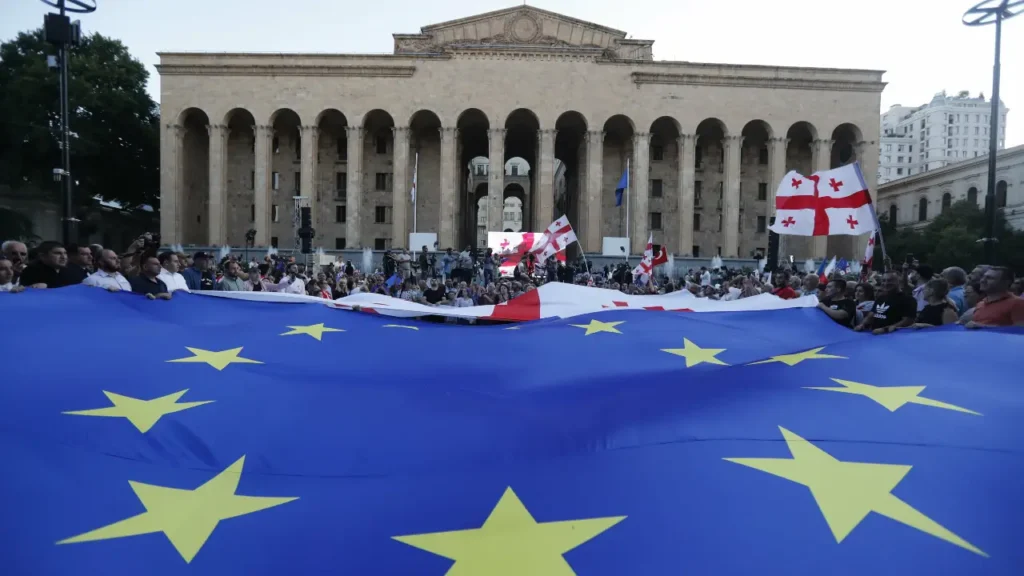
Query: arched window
[(922, 209), (972, 195), (947, 199), (1001, 194), (892, 214)]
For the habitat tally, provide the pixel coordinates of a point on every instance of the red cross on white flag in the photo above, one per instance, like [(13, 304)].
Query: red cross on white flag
[(834, 202)]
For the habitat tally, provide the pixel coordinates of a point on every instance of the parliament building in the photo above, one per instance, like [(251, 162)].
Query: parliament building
[(249, 138)]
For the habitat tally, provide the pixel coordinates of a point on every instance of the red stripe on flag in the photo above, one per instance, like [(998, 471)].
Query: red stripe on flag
[(820, 203), (521, 308)]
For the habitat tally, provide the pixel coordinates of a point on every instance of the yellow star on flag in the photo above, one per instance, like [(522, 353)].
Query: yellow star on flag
[(186, 517), (313, 330), (596, 326), (794, 359), (696, 355), (511, 542), (218, 360), (846, 492), (892, 397), (141, 413)]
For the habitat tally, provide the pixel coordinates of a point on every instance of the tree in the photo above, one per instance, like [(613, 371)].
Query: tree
[(951, 239), (115, 150)]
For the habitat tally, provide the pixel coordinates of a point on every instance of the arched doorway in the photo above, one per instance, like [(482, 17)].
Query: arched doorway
[(845, 138), (618, 154), (425, 144), (663, 183), (195, 177), (569, 176), (472, 156), (755, 180), (332, 178), (522, 130), (376, 200), (285, 178), (709, 187), (799, 157), (240, 161)]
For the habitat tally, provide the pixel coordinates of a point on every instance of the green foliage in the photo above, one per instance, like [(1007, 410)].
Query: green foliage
[(951, 239), (115, 150)]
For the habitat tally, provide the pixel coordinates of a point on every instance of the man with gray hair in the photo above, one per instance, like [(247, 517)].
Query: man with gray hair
[(956, 278)]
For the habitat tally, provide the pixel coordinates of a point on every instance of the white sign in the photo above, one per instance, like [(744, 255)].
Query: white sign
[(614, 246), (417, 240)]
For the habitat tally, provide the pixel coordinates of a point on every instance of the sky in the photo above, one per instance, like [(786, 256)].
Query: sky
[(923, 46)]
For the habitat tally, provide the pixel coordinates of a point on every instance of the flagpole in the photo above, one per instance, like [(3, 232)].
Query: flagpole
[(415, 174), (629, 241)]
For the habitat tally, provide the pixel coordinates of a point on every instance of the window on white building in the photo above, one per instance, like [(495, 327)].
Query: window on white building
[(888, 159), (888, 147), (899, 171), (910, 148)]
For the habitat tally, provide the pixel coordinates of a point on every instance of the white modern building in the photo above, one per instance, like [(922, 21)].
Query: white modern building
[(946, 130)]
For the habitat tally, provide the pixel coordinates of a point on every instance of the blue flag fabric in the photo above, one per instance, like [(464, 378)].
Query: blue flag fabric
[(218, 436), (623, 184), (394, 279)]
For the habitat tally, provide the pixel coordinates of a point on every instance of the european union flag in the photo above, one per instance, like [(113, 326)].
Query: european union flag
[(217, 436), (622, 186)]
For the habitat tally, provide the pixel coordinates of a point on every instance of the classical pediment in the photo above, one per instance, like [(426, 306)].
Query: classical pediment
[(515, 28)]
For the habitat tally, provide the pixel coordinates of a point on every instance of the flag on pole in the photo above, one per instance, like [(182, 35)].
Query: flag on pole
[(833, 202), (622, 187), (415, 171), (556, 238), (869, 252), (645, 269), (843, 266)]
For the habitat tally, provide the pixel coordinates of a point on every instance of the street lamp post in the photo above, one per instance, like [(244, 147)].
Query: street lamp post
[(60, 31), (982, 14)]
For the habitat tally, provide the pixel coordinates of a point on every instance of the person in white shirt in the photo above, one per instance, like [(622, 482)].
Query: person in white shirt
[(169, 274), (705, 277), (290, 283), (108, 273)]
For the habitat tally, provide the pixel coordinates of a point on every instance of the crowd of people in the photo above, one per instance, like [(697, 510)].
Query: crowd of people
[(912, 297)]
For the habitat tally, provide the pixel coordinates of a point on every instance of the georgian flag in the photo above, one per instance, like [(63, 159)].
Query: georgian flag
[(647, 264), (829, 203), (555, 239)]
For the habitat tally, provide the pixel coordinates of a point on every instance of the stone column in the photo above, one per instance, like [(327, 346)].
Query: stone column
[(731, 197), (400, 190), (637, 194), (822, 153), (544, 195), (308, 187), (778, 149), (170, 183), (262, 183), (217, 217), (449, 184), (354, 192), (867, 155), (495, 179), (595, 174), (687, 143)]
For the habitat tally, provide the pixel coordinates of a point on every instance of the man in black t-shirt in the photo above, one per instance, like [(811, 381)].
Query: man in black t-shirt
[(50, 271), (147, 282), (893, 309), (838, 307)]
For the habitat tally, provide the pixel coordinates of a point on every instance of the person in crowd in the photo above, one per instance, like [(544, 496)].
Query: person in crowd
[(50, 270), (917, 279), (17, 253), (955, 277), (325, 285), (199, 276), (864, 297), (784, 290), (231, 281), (410, 291), (256, 281), (810, 285), (972, 295), (1017, 288), (835, 303), (423, 259), (169, 275), (434, 293), (291, 282), (999, 307), (404, 261), (80, 262), (488, 266), (976, 273), (893, 309), (108, 273), (148, 281), (7, 276), (938, 309), (446, 263)]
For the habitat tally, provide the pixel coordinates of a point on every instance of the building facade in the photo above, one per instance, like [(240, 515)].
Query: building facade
[(916, 200), (946, 130), (250, 136)]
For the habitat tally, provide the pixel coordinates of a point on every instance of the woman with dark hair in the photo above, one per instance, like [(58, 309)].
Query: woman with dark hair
[(864, 294)]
